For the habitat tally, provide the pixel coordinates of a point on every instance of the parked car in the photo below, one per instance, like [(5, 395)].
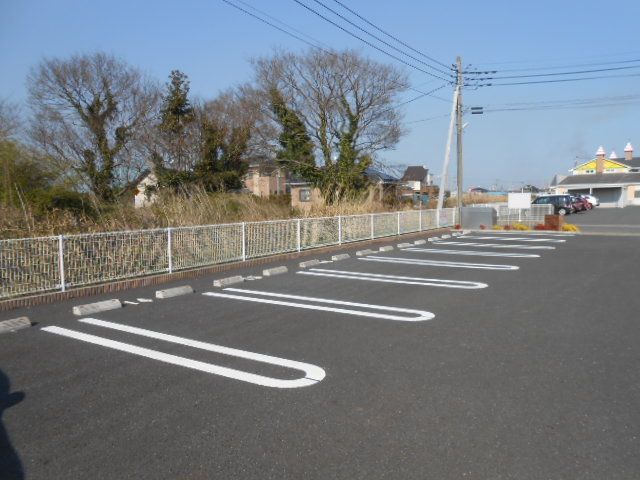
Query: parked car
[(586, 200), (592, 199), (562, 204), (579, 203)]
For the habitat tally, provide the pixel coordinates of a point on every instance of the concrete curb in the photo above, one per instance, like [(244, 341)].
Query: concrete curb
[(362, 253), (432, 239), (309, 263), (270, 272), (386, 248), (419, 242), (14, 324), (342, 256), (225, 282), (405, 245), (174, 292), (97, 307), (445, 236)]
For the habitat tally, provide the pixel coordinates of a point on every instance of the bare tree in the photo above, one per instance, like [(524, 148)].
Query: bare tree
[(89, 112), (332, 90), (346, 102), (9, 119)]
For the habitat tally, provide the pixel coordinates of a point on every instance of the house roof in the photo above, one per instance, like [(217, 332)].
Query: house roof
[(377, 175), (633, 163), (600, 179), (414, 174)]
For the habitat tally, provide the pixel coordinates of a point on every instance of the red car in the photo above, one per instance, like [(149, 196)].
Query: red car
[(580, 204)]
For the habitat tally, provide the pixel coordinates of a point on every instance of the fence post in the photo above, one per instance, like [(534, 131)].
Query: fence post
[(169, 250), (420, 220), (519, 215), (63, 283), (298, 235), (244, 242), (339, 230), (437, 218), (372, 237)]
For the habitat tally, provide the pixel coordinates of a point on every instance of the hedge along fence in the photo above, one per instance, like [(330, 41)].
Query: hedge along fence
[(45, 264)]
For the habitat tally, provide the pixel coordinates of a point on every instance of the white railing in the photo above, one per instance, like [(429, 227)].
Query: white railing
[(36, 265), (528, 216)]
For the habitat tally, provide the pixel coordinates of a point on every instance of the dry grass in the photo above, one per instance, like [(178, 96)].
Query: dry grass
[(175, 210)]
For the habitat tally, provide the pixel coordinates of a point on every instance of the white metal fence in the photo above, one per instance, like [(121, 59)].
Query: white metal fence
[(528, 216), (35, 265)]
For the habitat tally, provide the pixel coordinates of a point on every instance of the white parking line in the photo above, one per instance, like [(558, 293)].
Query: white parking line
[(417, 315), (313, 373), (436, 263), (474, 253), (522, 239), (498, 245), (373, 277)]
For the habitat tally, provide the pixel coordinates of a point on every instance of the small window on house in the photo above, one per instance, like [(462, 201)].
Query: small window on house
[(305, 194), (590, 171), (636, 194)]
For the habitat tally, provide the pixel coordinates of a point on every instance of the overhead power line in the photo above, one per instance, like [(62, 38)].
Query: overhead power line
[(391, 36), (557, 67), (555, 74), (558, 80), (348, 32), (271, 24), (384, 42)]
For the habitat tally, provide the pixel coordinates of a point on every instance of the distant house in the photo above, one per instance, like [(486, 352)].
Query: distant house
[(615, 181), (266, 178), (304, 196), (144, 192), (417, 179)]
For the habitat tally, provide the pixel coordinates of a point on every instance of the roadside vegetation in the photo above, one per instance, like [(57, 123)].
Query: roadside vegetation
[(94, 125)]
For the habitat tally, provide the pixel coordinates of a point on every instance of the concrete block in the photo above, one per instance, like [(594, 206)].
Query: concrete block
[(97, 307), (386, 248), (432, 239), (309, 263), (225, 282), (445, 236), (14, 324), (362, 253), (270, 272), (342, 256), (419, 242), (405, 245), (174, 292)]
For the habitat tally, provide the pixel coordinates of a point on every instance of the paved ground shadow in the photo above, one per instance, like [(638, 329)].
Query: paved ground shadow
[(10, 464)]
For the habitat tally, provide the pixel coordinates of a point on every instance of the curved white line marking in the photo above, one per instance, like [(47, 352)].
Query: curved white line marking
[(372, 277), (420, 315), (516, 246), (475, 253), (522, 239), (436, 263), (313, 373)]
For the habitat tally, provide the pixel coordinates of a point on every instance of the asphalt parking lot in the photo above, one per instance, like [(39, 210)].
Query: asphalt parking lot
[(486, 356), (608, 221)]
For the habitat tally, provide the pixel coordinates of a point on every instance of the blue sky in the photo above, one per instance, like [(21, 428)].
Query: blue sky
[(213, 43)]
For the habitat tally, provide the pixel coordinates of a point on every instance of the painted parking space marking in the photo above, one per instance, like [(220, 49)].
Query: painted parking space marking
[(509, 239), (313, 373), (515, 246), (373, 277), (311, 303), (473, 253), (437, 263)]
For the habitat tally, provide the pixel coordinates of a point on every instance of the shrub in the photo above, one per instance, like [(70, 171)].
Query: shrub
[(498, 227), (540, 226), (519, 226), (568, 227), (483, 227), (60, 198)]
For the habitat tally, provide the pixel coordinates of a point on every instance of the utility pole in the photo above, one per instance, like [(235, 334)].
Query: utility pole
[(447, 153), (459, 83)]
